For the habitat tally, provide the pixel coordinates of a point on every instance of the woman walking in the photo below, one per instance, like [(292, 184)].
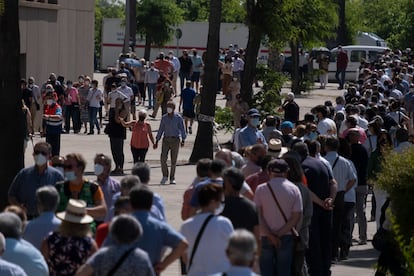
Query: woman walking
[(141, 134)]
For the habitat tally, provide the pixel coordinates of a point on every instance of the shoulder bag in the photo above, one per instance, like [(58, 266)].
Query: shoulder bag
[(120, 261), (197, 240), (295, 233)]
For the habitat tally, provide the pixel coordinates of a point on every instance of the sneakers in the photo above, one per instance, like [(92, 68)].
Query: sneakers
[(164, 180), (172, 182)]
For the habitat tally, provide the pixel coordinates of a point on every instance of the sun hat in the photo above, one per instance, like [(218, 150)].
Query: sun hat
[(275, 148), (75, 212)]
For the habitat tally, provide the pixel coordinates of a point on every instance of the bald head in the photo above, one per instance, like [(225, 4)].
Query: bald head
[(225, 155)]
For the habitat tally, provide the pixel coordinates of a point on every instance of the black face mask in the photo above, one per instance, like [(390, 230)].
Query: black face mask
[(141, 118)]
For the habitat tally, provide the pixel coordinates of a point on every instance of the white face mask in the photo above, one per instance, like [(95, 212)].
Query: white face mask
[(70, 176), (170, 110), (98, 169), (123, 84), (219, 209), (50, 102), (40, 159)]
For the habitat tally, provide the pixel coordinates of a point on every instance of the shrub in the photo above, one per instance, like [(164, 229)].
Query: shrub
[(397, 179)]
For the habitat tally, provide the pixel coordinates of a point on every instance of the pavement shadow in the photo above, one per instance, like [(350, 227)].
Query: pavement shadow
[(365, 258)]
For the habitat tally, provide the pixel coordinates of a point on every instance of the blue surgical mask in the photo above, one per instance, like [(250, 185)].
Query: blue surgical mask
[(70, 176), (255, 121)]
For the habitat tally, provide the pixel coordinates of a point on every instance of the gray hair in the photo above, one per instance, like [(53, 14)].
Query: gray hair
[(129, 181), (125, 229), (47, 198), (10, 225), (241, 248), (142, 170)]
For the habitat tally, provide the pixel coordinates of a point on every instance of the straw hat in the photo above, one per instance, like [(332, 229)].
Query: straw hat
[(275, 148), (75, 212)]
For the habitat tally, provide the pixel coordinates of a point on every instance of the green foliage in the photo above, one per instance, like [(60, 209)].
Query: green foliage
[(396, 177), (156, 20), (224, 118), (268, 98), (232, 10), (106, 9), (406, 247), (310, 21), (391, 20)]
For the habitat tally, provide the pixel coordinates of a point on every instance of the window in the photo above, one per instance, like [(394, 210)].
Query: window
[(358, 55), (374, 55)]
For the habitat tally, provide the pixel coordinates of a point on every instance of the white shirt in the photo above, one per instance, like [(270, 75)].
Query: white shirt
[(127, 91), (176, 63), (210, 256), (112, 96), (94, 97)]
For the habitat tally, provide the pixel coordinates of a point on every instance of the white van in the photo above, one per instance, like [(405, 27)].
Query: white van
[(355, 53)]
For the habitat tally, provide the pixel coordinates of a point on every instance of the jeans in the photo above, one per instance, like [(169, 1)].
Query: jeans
[(138, 154), (277, 261), (93, 112), (151, 94), (169, 144), (341, 80), (117, 149)]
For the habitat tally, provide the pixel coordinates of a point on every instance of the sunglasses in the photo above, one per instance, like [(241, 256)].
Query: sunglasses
[(69, 167), (36, 152)]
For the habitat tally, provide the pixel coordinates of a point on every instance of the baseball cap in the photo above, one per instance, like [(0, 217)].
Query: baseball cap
[(278, 166), (286, 124), (253, 113)]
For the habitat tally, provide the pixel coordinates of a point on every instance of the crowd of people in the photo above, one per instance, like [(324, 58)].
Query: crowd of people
[(295, 187)]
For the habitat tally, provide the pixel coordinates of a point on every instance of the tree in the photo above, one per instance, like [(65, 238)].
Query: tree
[(232, 10), (105, 9), (203, 145), (156, 21), (262, 19), (11, 115)]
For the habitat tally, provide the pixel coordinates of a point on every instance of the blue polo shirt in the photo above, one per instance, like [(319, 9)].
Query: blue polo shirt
[(25, 255), (156, 235), (249, 135), (27, 181)]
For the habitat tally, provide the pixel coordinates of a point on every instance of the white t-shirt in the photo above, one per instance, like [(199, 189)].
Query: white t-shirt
[(210, 256)]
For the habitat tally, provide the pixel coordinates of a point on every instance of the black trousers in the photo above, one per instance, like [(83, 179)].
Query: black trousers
[(318, 256), (54, 141), (117, 149), (138, 154)]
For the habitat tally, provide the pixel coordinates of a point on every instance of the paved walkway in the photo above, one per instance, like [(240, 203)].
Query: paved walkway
[(362, 258)]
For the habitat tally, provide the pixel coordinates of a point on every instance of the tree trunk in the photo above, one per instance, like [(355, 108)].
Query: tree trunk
[(295, 67), (203, 145), (274, 61), (342, 36), (147, 52), (253, 46), (11, 117)]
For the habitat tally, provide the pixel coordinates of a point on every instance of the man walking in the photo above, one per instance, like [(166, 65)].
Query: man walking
[(172, 130), (341, 64), (187, 102)]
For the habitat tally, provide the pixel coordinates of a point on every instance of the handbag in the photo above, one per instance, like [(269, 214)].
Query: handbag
[(197, 241), (295, 233)]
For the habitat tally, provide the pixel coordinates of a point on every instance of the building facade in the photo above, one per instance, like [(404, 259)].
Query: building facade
[(56, 36)]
